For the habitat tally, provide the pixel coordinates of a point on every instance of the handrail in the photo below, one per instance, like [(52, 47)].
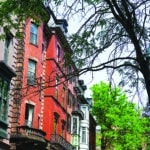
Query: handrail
[(25, 130), (57, 139)]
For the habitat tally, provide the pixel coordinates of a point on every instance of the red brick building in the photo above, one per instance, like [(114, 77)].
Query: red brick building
[(55, 121), (28, 124), (44, 108)]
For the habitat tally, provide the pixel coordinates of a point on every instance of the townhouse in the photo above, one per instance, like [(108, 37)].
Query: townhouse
[(41, 94)]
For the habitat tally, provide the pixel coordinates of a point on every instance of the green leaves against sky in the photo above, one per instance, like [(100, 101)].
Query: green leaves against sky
[(122, 126)]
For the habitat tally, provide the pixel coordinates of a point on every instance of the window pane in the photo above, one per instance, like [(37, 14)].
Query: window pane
[(33, 34), (5, 90), (1, 86), (68, 123), (58, 52), (56, 116), (29, 115), (63, 128), (7, 43), (63, 96), (74, 124), (56, 87), (4, 117), (4, 87), (84, 112), (31, 72), (70, 74), (33, 38), (83, 139), (0, 108), (33, 28)]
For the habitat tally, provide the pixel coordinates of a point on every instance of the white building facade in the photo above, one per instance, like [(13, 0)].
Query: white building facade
[(84, 127)]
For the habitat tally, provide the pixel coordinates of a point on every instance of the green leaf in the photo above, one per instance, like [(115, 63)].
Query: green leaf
[(122, 127)]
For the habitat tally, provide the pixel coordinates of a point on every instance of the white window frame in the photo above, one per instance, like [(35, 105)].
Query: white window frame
[(85, 112)]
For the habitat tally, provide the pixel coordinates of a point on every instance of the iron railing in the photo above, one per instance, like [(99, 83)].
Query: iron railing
[(59, 140), (32, 132)]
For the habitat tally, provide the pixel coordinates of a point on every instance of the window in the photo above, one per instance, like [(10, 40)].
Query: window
[(31, 72), (33, 34), (68, 123), (83, 135), (5, 77), (56, 87), (70, 74), (63, 128), (29, 115), (58, 52), (63, 95), (74, 125), (74, 79), (56, 117), (85, 112), (39, 121), (7, 43), (4, 87), (73, 103), (69, 98)]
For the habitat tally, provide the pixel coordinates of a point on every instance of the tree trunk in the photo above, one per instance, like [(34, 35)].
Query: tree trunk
[(103, 143), (129, 23)]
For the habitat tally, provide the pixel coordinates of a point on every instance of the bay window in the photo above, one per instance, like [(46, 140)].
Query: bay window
[(6, 73)]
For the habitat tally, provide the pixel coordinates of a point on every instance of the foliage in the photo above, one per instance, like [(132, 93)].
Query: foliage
[(120, 121), (118, 30), (13, 12), (98, 139)]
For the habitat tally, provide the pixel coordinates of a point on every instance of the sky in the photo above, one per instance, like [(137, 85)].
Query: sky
[(95, 77), (89, 79)]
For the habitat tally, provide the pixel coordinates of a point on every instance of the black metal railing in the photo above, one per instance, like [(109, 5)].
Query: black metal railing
[(32, 132), (59, 140)]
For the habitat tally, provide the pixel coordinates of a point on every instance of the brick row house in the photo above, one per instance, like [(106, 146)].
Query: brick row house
[(41, 107)]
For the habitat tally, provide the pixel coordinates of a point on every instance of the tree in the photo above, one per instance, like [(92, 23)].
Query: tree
[(116, 27), (120, 121), (14, 12)]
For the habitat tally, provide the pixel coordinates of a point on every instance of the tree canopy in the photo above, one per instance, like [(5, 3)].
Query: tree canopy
[(122, 126), (13, 12), (116, 28)]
